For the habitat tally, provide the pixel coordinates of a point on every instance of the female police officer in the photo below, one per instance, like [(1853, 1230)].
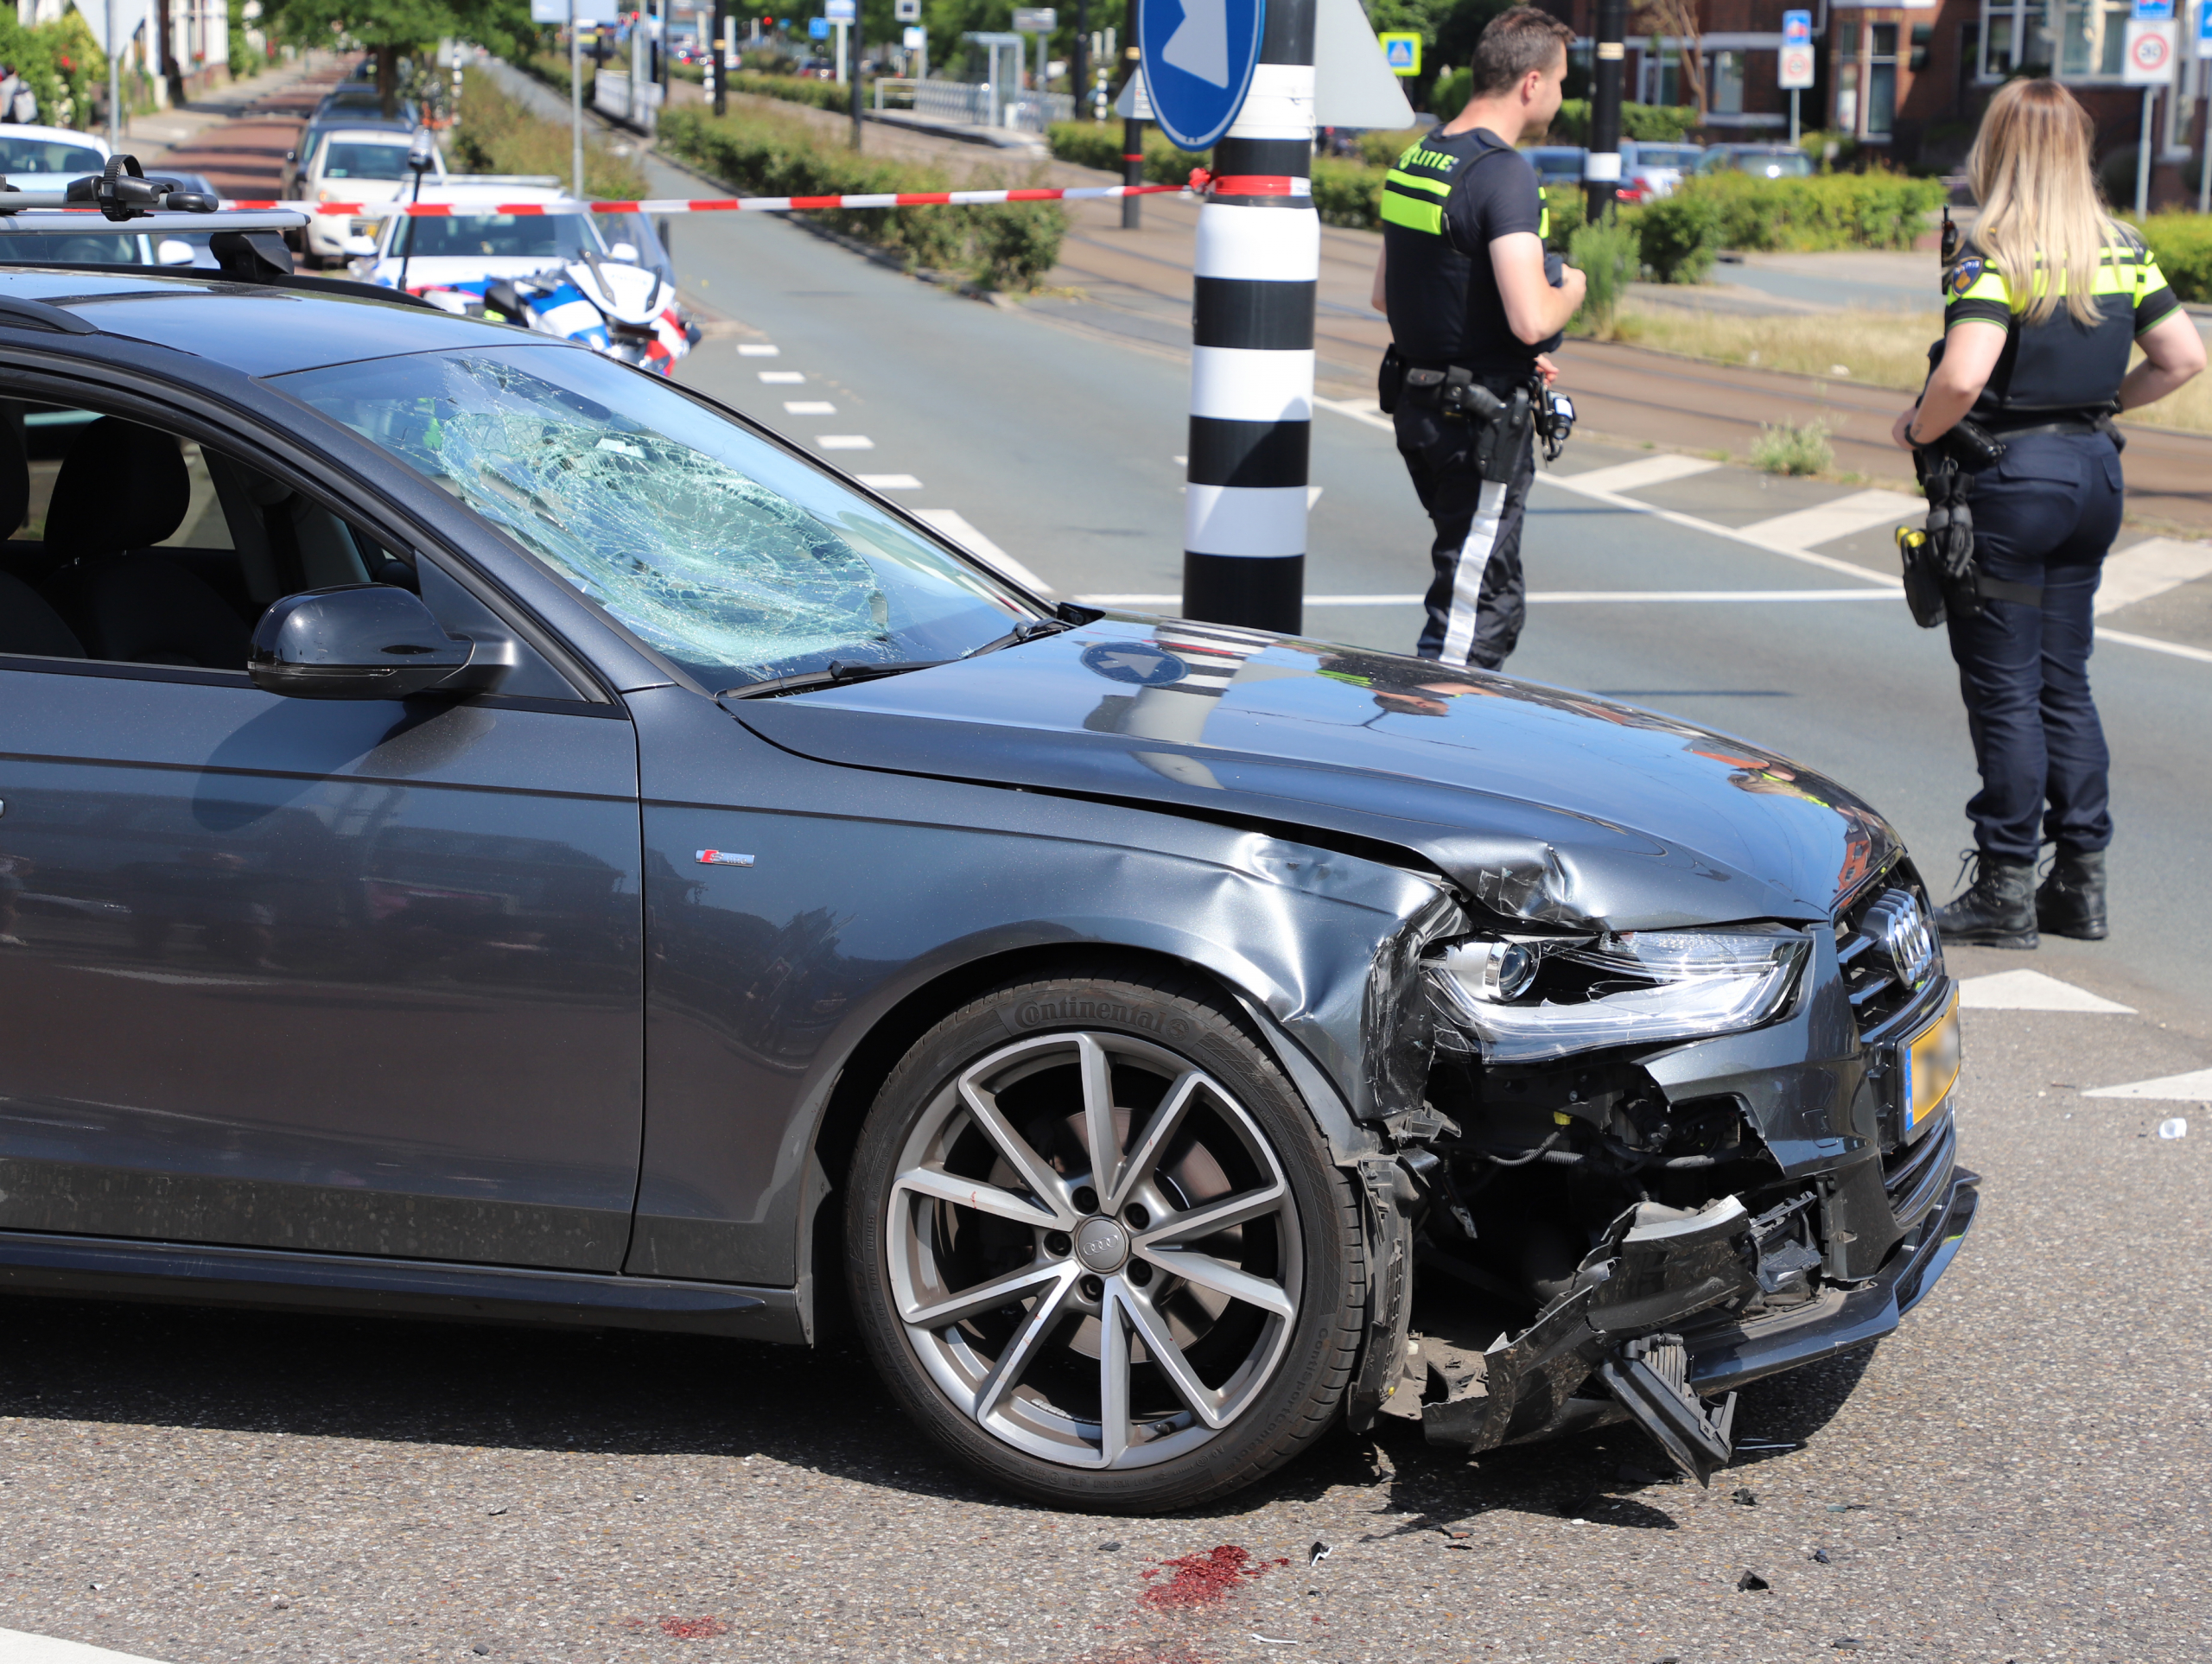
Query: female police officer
[(2038, 320)]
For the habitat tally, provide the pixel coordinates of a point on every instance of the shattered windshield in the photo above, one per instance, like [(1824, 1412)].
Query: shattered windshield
[(739, 562)]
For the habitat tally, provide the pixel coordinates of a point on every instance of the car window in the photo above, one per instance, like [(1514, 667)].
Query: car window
[(1666, 156), (20, 154), (495, 235), (738, 560), (88, 247), (350, 159)]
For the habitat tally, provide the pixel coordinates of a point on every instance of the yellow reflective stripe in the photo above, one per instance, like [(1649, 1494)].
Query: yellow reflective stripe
[(1415, 216), (1434, 187), (1544, 213), (1987, 287)]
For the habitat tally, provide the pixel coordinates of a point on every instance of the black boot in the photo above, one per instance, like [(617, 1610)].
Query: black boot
[(1998, 910), (2072, 899)]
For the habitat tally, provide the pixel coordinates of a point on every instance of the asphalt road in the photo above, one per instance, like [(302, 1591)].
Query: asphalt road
[(2021, 1473)]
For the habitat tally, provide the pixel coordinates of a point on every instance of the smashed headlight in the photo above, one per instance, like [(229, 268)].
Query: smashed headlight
[(1528, 999)]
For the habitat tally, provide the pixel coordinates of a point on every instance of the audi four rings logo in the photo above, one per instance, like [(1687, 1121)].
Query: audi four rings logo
[(1902, 929)]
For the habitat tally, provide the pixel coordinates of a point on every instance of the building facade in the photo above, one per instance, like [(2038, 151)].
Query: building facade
[(1912, 80)]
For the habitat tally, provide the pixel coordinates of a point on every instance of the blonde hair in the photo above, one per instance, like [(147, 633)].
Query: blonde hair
[(2040, 204)]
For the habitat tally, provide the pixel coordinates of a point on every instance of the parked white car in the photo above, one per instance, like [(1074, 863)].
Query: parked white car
[(47, 158), (358, 164)]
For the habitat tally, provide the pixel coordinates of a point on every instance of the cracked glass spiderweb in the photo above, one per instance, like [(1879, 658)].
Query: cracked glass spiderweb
[(710, 544)]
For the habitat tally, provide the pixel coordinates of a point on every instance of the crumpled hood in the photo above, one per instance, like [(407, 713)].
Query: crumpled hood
[(1542, 803)]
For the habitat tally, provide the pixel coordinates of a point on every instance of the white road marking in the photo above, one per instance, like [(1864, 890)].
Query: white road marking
[(1826, 522), (2150, 567), (957, 526), (18, 1647), (758, 350), (1370, 414), (1645, 472), (809, 407), (781, 377), (2198, 1085), (844, 441), (889, 481), (2029, 990), (1553, 597)]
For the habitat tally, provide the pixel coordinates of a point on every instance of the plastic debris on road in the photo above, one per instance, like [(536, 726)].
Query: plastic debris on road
[(2174, 1127), (1751, 1583)]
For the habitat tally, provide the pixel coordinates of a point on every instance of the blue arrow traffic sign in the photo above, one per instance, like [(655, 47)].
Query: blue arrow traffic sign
[(1796, 28), (1197, 58)]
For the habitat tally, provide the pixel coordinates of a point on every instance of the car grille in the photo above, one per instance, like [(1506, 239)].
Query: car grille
[(1916, 1174), (1886, 947)]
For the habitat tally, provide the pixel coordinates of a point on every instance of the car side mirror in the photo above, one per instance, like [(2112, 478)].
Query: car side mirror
[(173, 252), (367, 641), (360, 245), (625, 251)]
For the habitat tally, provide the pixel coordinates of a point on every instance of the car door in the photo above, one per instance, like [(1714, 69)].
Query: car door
[(352, 976)]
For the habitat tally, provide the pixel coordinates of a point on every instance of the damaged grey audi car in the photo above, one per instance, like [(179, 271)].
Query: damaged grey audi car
[(490, 834)]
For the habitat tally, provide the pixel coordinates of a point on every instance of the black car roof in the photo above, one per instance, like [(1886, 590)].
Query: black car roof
[(257, 331)]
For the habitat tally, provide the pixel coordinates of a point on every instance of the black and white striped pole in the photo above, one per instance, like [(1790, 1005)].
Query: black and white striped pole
[(1258, 264)]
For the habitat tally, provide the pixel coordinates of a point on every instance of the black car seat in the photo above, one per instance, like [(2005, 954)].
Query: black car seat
[(123, 488), (28, 625)]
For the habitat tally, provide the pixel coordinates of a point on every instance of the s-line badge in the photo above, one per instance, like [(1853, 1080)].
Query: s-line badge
[(724, 858)]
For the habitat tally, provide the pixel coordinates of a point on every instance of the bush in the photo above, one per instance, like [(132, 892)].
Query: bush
[(59, 62), (1011, 246), (1098, 144), (1655, 124), (2182, 244), (1683, 232), (1609, 255), (1793, 448), (498, 135)]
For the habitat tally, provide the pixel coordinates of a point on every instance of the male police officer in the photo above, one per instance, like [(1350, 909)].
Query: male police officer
[(1472, 313)]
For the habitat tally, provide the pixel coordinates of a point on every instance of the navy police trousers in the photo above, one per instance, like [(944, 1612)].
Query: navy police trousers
[(2045, 514)]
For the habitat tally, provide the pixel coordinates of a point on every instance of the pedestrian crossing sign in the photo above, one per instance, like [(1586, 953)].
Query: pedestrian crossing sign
[(1402, 52)]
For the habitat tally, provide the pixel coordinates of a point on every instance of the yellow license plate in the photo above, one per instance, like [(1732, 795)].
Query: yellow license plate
[(1931, 1066)]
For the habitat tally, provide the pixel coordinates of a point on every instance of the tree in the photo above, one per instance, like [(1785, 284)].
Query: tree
[(1680, 19), (392, 30)]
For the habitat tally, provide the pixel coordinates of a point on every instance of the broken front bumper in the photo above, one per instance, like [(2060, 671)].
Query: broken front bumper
[(1725, 1354)]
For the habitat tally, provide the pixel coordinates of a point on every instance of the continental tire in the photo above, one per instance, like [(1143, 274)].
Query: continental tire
[(1098, 1250)]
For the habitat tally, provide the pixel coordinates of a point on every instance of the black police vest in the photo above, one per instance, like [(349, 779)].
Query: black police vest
[(1443, 302), (2060, 364)]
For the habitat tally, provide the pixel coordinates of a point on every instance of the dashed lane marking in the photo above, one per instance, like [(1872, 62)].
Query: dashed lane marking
[(781, 377), (17, 1647), (844, 441), (1826, 522), (1371, 415), (2150, 567), (2029, 990), (1645, 472), (809, 407), (758, 350), (2194, 1086), (889, 481), (957, 528)]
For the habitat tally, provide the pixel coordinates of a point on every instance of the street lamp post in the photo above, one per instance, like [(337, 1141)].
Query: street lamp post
[(1601, 169)]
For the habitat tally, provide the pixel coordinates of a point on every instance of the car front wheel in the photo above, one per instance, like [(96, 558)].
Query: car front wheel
[(1098, 1248)]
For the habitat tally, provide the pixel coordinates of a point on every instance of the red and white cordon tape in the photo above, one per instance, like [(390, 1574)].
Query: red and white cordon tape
[(1199, 184)]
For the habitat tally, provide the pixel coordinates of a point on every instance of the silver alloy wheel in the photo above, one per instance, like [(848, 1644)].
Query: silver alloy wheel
[(1094, 1250)]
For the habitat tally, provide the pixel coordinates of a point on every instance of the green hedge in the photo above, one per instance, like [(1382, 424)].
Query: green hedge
[(1651, 124), (1681, 233), (1011, 246), (2183, 242)]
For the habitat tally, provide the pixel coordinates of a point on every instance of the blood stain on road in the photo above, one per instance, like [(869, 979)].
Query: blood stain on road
[(1203, 1579)]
